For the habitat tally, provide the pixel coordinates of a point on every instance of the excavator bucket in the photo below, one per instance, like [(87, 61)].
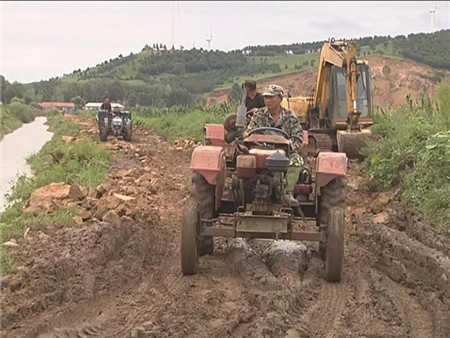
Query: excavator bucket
[(351, 142)]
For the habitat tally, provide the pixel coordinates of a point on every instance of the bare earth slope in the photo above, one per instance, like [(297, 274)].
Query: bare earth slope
[(124, 279), (390, 87)]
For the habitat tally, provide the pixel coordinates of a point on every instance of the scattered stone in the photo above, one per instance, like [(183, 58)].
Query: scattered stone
[(68, 139), (123, 197), (93, 193), (145, 178), (125, 173), (84, 214), (77, 221), (381, 218), (25, 234), (111, 217), (126, 220), (291, 333), (47, 198), (112, 202), (380, 202), (77, 192), (10, 244), (103, 188), (42, 235)]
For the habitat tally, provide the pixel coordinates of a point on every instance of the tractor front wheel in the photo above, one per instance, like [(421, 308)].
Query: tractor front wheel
[(190, 246), (335, 245), (332, 195), (203, 194)]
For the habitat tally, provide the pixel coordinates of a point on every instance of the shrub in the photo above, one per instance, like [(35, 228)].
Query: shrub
[(413, 155), (20, 110)]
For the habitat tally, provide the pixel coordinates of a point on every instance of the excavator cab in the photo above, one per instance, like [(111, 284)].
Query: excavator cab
[(337, 97)]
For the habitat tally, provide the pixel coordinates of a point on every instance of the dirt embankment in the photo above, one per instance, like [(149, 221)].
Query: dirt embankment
[(120, 276), (392, 81)]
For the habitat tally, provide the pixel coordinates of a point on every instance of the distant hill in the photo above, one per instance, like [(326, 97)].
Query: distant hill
[(162, 77)]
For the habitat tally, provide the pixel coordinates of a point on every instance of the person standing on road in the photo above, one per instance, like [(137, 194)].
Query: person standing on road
[(106, 105)]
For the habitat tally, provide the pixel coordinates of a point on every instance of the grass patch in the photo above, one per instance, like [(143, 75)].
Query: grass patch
[(83, 162), (180, 122), (16, 113), (6, 262), (414, 156), (9, 122)]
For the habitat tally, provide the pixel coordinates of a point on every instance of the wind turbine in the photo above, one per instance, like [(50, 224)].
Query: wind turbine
[(433, 17), (209, 40)]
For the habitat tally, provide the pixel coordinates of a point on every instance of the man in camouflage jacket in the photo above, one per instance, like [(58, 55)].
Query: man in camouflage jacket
[(276, 116)]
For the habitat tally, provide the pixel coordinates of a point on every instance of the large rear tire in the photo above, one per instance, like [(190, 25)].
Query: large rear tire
[(335, 245), (332, 195), (189, 239), (203, 194), (103, 134), (128, 134)]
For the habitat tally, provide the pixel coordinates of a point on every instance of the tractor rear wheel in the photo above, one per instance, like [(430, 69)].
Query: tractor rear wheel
[(128, 134), (103, 133), (332, 195), (189, 239), (203, 194), (335, 245)]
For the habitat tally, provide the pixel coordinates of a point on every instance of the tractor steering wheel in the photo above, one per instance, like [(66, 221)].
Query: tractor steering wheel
[(259, 129)]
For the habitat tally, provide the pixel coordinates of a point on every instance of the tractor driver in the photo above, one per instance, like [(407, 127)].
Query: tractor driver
[(276, 116), (106, 105)]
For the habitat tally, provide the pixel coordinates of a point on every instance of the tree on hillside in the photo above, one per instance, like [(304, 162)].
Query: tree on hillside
[(132, 100), (235, 93), (10, 90), (78, 101)]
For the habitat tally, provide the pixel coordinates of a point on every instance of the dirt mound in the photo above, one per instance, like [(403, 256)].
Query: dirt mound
[(392, 80)]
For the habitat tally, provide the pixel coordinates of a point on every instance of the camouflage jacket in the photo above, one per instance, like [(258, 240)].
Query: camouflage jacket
[(288, 122)]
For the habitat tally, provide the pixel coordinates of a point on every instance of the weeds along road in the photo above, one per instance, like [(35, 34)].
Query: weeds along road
[(121, 277)]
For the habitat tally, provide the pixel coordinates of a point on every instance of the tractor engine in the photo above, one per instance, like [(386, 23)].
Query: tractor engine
[(259, 181)]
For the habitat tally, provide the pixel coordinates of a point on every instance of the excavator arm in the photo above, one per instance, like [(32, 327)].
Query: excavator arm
[(343, 55)]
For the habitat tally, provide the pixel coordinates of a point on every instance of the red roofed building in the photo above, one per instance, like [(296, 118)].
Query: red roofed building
[(64, 106)]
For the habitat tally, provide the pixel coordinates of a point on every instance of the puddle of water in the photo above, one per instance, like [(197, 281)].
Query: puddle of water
[(14, 150)]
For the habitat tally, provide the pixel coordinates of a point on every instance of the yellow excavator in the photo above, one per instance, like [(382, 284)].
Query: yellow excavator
[(340, 108)]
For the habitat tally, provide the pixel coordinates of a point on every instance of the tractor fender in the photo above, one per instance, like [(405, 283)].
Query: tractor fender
[(329, 165), (214, 134), (209, 161)]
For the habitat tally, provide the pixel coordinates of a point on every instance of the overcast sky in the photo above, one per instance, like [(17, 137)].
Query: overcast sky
[(47, 39)]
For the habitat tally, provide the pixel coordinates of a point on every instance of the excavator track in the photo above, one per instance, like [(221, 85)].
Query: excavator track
[(320, 141)]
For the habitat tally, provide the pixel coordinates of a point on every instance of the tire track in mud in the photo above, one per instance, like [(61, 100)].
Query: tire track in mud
[(395, 282), (172, 285)]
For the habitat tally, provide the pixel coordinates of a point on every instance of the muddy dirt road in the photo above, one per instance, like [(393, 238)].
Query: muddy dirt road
[(111, 277)]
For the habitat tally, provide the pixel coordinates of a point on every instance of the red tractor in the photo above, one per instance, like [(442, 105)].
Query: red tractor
[(254, 171)]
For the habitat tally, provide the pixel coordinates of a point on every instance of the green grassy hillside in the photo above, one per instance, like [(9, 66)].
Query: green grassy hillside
[(164, 78)]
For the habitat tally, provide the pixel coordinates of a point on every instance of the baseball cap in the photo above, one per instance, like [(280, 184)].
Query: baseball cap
[(273, 90)]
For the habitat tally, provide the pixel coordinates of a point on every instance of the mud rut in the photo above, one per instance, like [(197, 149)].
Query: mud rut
[(122, 281)]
